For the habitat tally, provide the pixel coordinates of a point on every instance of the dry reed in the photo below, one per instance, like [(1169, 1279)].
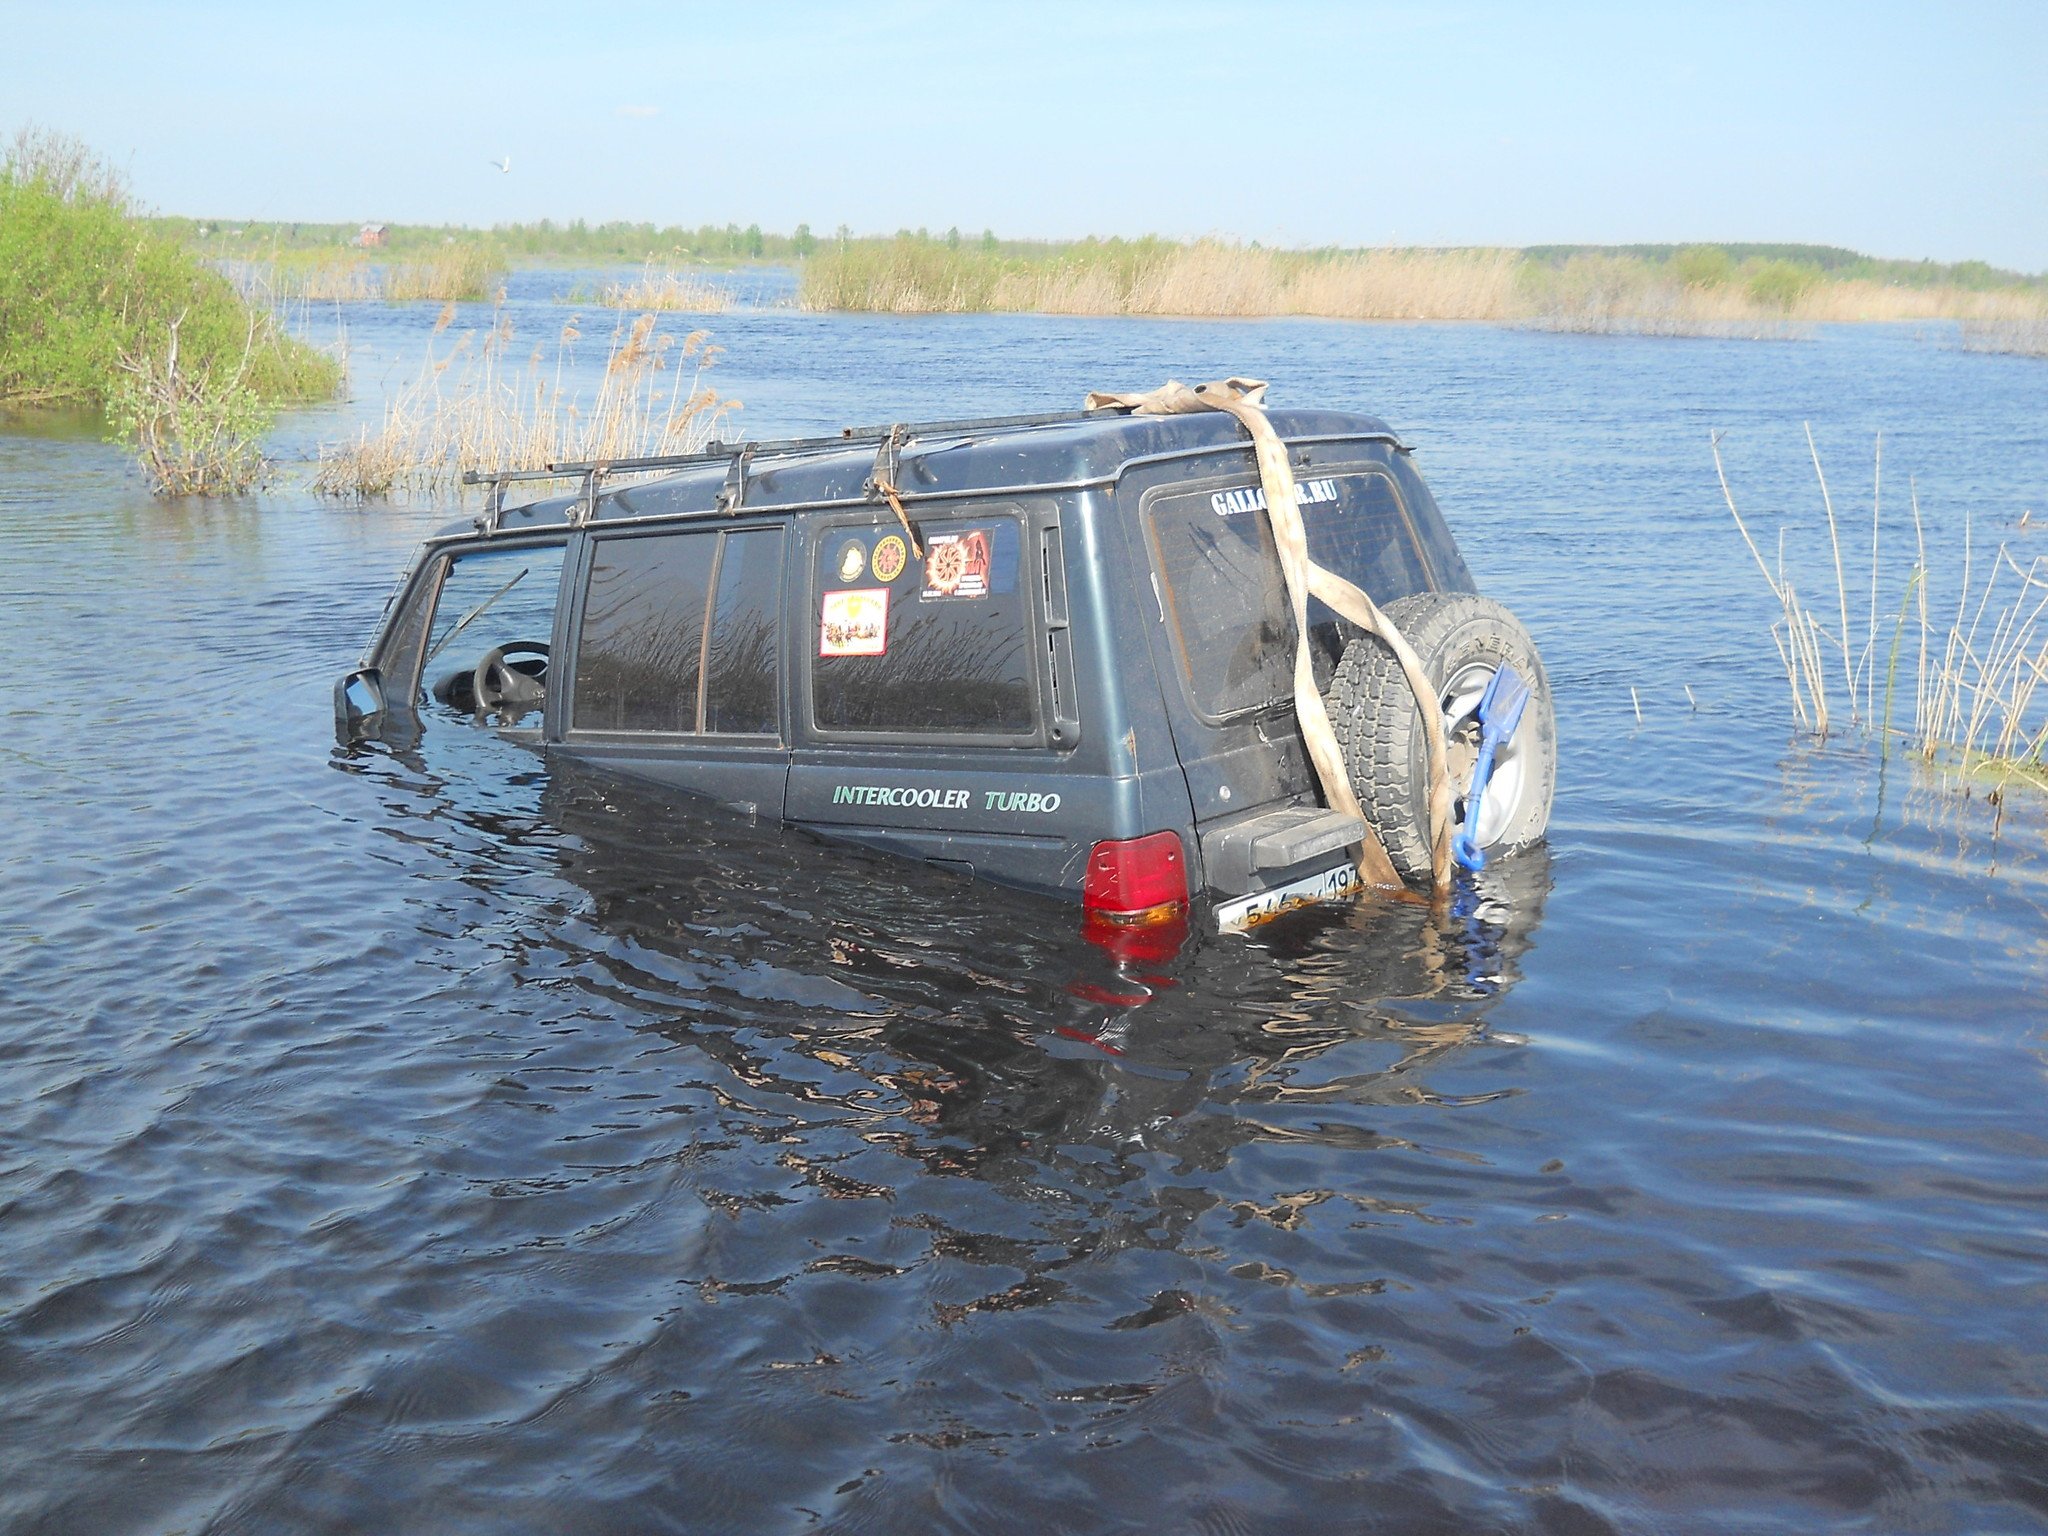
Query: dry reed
[(1206, 279), (1212, 279), (1613, 295), (471, 407), (666, 289), (1587, 293), (324, 277), (1859, 299), (2023, 335), (454, 272), (1407, 285), (467, 272), (1975, 700)]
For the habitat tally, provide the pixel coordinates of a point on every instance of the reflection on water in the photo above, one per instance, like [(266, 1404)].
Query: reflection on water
[(1339, 986), (417, 1140)]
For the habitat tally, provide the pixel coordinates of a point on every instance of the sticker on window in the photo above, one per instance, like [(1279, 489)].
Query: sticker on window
[(1252, 498), (855, 623), (956, 565), (853, 561), (889, 559)]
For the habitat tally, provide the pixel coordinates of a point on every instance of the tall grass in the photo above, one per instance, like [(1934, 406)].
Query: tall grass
[(666, 289), (1964, 691), (1855, 299), (1621, 295), (474, 405), (906, 277), (1691, 291), (466, 271), (1154, 277), (1405, 285), (302, 277), (2024, 335)]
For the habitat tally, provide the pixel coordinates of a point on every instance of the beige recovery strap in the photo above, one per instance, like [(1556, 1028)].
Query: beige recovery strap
[(1244, 399)]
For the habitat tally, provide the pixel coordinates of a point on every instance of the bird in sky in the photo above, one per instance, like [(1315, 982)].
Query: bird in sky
[(504, 165)]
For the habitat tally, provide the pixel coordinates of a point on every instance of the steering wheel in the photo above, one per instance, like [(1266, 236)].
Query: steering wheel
[(511, 686)]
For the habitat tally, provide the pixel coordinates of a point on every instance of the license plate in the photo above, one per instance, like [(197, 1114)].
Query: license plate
[(1263, 906)]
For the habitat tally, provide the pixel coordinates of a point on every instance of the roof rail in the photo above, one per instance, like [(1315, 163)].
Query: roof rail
[(749, 449)]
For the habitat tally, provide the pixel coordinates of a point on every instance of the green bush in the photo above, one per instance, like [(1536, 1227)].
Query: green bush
[(194, 433), (83, 283), (1778, 284), (1702, 266)]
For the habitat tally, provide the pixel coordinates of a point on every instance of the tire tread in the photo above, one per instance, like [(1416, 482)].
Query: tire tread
[(1379, 727)]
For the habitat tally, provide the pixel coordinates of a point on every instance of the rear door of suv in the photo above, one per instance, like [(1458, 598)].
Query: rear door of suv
[(1224, 642)]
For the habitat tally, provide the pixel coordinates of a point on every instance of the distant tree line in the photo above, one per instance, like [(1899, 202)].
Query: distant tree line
[(1708, 262), (577, 240), (621, 241)]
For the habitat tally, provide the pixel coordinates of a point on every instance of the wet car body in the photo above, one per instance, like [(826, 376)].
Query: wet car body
[(1074, 638)]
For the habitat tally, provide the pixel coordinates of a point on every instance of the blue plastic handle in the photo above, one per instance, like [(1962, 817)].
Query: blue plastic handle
[(1500, 711)]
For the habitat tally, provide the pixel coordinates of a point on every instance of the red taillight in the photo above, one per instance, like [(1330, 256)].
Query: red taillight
[(1137, 881)]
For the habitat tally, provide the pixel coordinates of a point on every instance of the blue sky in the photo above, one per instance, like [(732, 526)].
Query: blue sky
[(1904, 130)]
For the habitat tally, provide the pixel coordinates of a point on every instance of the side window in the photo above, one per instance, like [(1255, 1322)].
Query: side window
[(680, 634), (493, 618), (639, 658), (740, 667), (941, 647)]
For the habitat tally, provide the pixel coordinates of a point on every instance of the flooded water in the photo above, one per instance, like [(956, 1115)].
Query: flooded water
[(425, 1143)]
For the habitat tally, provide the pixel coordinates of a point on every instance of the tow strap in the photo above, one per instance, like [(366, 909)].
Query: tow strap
[(882, 483), (1244, 399)]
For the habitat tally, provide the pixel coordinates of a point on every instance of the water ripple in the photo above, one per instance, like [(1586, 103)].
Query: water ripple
[(428, 1141)]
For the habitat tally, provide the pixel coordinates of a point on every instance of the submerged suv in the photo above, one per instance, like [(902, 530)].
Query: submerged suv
[(1062, 657)]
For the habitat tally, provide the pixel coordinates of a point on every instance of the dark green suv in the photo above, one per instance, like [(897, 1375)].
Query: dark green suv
[(1061, 657)]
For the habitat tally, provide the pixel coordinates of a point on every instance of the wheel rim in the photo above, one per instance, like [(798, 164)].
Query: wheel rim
[(1511, 777)]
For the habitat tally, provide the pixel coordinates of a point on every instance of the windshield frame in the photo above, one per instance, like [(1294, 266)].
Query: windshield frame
[(407, 632)]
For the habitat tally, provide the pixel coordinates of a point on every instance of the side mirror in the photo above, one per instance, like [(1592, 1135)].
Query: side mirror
[(358, 705)]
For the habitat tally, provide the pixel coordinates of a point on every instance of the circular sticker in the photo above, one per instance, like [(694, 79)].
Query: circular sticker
[(853, 559), (889, 559), (945, 565)]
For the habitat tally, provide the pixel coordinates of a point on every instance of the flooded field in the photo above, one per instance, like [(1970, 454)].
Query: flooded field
[(427, 1143)]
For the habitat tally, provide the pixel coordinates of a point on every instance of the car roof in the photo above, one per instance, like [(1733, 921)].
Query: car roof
[(944, 458)]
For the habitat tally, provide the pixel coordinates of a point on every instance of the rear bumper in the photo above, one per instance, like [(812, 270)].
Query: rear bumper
[(1265, 862), (1259, 849)]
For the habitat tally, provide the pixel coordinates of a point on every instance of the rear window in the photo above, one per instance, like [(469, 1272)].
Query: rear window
[(679, 634), (1225, 598), (940, 646)]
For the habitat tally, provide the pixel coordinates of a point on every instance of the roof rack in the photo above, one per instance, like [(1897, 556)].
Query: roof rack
[(742, 454)]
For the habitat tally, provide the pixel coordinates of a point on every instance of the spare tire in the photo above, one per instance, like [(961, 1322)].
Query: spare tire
[(1462, 640)]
